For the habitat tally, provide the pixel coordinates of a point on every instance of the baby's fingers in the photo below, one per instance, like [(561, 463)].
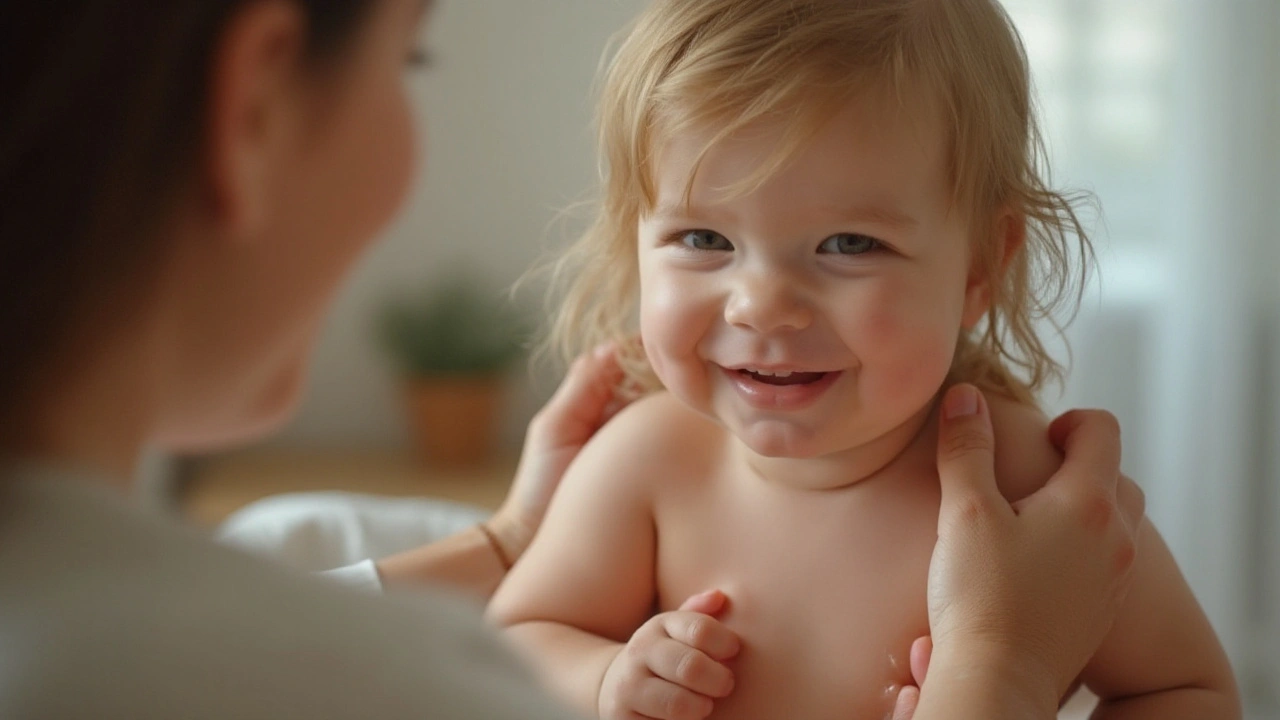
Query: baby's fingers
[(711, 602), (663, 700), (905, 707), (921, 654), (702, 632), (689, 668)]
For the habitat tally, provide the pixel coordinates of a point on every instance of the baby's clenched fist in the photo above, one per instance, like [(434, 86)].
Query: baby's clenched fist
[(674, 667)]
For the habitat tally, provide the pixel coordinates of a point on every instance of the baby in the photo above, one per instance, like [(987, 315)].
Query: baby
[(820, 213)]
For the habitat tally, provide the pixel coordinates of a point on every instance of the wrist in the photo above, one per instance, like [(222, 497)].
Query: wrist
[(511, 534), (985, 676), (608, 656)]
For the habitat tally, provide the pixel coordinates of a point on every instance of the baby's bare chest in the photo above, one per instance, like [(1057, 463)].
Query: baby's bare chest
[(826, 594)]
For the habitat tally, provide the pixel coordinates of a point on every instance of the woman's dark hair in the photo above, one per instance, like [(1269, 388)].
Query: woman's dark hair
[(101, 117)]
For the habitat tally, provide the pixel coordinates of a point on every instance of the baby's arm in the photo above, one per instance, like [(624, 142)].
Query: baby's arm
[(586, 582), (1162, 658), (584, 590)]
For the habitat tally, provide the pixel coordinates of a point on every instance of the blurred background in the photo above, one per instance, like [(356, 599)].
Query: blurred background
[(1168, 110)]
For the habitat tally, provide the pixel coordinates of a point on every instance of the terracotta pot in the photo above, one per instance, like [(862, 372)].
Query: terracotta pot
[(454, 419)]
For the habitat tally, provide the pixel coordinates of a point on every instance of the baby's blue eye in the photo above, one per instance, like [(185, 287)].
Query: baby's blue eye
[(848, 244), (705, 240)]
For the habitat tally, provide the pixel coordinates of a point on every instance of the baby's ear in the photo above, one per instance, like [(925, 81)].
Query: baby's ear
[(1009, 235)]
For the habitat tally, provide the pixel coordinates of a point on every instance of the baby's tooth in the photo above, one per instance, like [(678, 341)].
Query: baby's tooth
[(772, 373)]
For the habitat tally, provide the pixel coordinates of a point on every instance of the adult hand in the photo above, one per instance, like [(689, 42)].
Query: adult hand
[(584, 402), (1026, 590)]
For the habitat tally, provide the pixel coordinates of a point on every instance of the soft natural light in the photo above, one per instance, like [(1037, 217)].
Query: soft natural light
[(1167, 110)]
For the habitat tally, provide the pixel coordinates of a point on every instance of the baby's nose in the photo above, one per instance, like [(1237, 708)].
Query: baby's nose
[(768, 302)]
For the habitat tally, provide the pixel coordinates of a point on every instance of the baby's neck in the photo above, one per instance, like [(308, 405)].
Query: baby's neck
[(845, 468)]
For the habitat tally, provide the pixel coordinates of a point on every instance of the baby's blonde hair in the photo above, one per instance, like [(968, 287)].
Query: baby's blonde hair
[(728, 64)]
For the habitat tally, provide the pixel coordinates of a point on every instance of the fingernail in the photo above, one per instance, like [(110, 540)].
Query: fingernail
[(961, 401), (602, 350)]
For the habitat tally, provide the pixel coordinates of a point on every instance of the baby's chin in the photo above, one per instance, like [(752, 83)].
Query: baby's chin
[(776, 437), (797, 440), (779, 439)]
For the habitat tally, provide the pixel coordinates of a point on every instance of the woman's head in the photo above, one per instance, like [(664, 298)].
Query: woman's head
[(722, 70), (205, 170)]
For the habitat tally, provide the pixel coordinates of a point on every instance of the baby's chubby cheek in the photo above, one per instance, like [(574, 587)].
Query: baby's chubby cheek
[(906, 352), (671, 333)]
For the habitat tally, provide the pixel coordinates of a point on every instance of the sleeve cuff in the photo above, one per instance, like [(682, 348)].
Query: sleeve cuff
[(361, 576)]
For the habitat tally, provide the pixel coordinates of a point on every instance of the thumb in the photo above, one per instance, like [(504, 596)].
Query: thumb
[(710, 602), (966, 455)]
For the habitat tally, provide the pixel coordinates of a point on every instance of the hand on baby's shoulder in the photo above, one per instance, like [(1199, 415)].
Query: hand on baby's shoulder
[(1025, 458)]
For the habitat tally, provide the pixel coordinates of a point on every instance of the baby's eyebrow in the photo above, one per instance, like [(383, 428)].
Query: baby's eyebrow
[(874, 214), (677, 211), (669, 210)]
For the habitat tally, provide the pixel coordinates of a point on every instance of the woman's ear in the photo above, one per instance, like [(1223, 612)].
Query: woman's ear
[(251, 110), (1009, 236)]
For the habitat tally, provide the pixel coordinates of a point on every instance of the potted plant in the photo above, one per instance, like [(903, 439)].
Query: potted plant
[(453, 345)]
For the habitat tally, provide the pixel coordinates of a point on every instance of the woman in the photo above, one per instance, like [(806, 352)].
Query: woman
[(184, 186)]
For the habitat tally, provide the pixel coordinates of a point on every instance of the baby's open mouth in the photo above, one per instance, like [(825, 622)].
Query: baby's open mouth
[(783, 377)]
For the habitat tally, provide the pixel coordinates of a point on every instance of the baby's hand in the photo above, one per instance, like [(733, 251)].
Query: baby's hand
[(909, 695), (673, 667)]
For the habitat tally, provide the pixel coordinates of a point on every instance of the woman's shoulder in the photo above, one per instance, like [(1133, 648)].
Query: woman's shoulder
[(111, 612)]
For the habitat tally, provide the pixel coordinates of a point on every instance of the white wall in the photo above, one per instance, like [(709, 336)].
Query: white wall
[(506, 110)]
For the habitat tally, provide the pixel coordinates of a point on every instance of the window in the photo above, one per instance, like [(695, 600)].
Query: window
[(1102, 71)]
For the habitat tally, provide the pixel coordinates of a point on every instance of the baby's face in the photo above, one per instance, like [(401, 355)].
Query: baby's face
[(821, 311)]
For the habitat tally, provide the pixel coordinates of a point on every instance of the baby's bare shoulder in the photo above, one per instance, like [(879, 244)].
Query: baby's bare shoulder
[(1025, 459), (659, 420), (656, 436)]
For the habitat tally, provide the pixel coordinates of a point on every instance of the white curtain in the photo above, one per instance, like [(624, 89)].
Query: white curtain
[(1170, 111)]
